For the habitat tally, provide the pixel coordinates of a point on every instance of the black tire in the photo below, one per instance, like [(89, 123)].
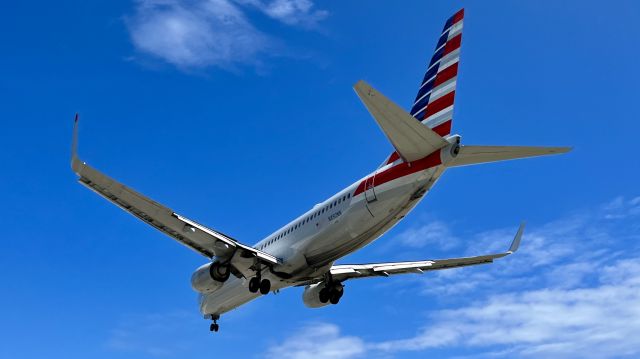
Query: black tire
[(216, 327), (219, 272), (254, 285), (265, 286), (323, 295), (335, 296), (213, 327)]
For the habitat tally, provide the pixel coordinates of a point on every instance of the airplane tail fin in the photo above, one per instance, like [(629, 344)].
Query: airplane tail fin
[(471, 155), (433, 105)]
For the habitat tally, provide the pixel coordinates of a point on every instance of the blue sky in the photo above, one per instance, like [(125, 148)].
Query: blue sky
[(240, 114)]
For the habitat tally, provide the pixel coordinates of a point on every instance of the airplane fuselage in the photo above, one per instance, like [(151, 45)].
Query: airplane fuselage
[(344, 223)]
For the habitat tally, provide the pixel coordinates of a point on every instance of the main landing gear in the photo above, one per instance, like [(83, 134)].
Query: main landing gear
[(331, 293), (257, 284), (214, 327)]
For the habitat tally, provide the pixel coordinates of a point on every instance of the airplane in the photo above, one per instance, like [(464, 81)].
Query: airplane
[(304, 251)]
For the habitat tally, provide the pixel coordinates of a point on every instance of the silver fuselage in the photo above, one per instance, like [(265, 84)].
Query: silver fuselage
[(309, 251)]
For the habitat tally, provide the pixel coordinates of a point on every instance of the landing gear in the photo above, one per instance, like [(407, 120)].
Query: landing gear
[(214, 327), (335, 295), (256, 284), (265, 286), (331, 293), (324, 295)]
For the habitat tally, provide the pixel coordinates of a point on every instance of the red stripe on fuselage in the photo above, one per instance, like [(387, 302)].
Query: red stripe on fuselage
[(401, 170), (394, 156)]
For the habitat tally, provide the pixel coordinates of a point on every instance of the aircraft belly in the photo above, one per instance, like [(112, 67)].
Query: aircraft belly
[(367, 221), (233, 294)]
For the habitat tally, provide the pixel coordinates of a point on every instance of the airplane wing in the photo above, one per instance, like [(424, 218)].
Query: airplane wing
[(196, 236), (344, 272)]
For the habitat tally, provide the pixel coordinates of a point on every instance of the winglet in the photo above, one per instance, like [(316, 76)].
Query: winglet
[(516, 240), (75, 161)]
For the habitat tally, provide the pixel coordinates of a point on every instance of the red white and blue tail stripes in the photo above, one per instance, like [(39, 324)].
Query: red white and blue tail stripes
[(433, 105)]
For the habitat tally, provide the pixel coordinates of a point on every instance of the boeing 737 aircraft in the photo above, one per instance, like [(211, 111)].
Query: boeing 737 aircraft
[(303, 252)]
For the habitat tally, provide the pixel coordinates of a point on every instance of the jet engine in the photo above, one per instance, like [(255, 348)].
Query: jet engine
[(319, 294), (210, 277)]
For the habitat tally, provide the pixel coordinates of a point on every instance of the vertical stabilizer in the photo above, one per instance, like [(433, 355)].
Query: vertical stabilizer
[(433, 105)]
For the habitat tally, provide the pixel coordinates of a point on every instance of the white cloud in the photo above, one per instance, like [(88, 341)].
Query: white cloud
[(195, 33), (202, 33), (573, 290), (432, 233), (320, 340), (620, 207), (595, 322), (290, 12)]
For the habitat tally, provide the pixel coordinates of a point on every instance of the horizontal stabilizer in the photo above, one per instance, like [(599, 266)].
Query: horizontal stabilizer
[(411, 139), (471, 155)]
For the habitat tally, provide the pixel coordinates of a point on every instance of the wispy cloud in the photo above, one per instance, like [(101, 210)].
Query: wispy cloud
[(319, 340), (621, 207), (433, 233), (573, 290), (157, 334), (596, 322), (290, 12), (201, 33), (195, 33)]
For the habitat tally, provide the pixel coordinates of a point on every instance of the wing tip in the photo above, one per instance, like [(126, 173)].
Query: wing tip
[(75, 161), (515, 244)]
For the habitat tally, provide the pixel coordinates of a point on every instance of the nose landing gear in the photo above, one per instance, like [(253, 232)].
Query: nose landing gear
[(214, 327)]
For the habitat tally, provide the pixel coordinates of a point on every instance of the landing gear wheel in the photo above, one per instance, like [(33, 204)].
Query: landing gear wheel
[(254, 285), (265, 286), (335, 296), (214, 327), (323, 295)]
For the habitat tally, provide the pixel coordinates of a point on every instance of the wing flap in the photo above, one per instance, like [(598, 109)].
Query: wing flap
[(352, 271)]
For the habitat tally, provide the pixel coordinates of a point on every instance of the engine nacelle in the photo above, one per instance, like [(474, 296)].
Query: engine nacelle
[(318, 295), (311, 295), (210, 277)]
